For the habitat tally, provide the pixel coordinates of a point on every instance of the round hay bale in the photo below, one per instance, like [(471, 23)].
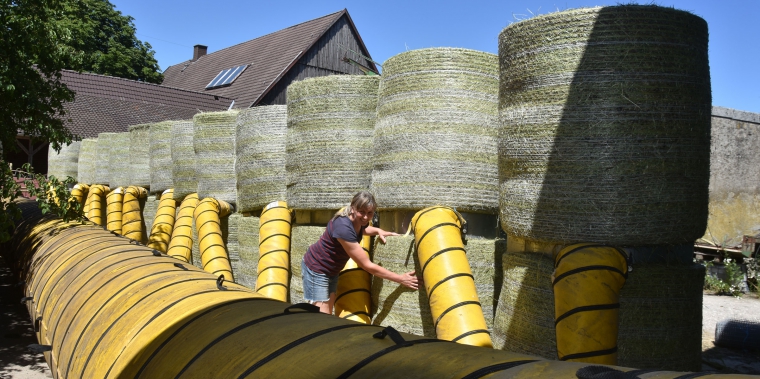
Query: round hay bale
[(102, 167), (118, 161), (661, 317), (248, 236), (231, 237), (605, 116), (160, 135), (260, 148), (214, 144), (183, 159), (88, 155), (139, 155), (524, 321), (436, 131), (329, 139), (64, 163), (149, 210)]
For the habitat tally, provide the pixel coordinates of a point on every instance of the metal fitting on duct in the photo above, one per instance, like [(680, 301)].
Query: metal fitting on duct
[(587, 280), (214, 257), (457, 313)]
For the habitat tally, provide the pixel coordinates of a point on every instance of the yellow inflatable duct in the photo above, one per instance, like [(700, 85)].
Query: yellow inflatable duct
[(132, 222), (106, 308), (79, 194), (114, 204), (274, 251), (214, 258), (181, 243), (95, 203), (587, 280), (161, 232), (449, 283), (354, 297)]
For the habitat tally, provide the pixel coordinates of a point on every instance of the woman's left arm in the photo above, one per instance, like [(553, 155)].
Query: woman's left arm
[(374, 231)]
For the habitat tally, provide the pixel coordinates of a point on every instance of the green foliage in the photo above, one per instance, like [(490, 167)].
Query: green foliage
[(730, 285), (753, 272), (53, 195), (107, 43), (9, 211), (33, 50)]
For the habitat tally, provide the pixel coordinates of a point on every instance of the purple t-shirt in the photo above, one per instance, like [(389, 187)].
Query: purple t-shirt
[(327, 256)]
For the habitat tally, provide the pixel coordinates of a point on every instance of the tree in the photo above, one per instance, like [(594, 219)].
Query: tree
[(107, 41)]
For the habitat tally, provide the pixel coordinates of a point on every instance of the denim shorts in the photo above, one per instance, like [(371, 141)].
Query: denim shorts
[(317, 286)]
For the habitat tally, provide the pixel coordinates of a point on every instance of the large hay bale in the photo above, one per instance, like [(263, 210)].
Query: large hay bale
[(605, 116), (260, 149), (301, 237), (436, 131), (183, 159), (214, 144), (524, 321), (231, 237), (88, 156), (161, 156), (118, 161), (248, 238), (149, 210), (64, 163), (661, 317), (104, 149), (139, 155), (329, 139)]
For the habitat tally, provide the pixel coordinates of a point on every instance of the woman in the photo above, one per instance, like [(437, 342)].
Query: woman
[(341, 240)]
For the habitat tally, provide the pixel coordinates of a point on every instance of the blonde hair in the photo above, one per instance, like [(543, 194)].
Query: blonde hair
[(361, 200)]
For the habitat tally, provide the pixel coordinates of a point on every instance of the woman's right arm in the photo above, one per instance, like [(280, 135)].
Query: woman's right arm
[(356, 253)]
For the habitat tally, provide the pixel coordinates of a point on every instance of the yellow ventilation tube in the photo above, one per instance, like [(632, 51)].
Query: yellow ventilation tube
[(95, 203), (181, 243), (79, 194), (587, 280), (274, 251), (354, 296), (132, 222), (457, 313), (161, 232), (214, 258), (114, 206)]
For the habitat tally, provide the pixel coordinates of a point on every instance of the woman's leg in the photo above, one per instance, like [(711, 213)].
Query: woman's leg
[(327, 306)]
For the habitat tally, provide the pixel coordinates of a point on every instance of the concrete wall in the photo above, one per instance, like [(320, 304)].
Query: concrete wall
[(734, 176)]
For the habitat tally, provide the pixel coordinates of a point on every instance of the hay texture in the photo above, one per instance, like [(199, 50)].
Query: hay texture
[(435, 137), (102, 167), (605, 116), (329, 139), (149, 210), (246, 271), (183, 159), (661, 317), (231, 237), (260, 149), (214, 144), (88, 155), (139, 155), (64, 163), (301, 238), (524, 321), (160, 135), (118, 161)]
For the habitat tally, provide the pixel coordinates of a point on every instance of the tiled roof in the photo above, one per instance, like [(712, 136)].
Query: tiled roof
[(109, 104), (269, 56)]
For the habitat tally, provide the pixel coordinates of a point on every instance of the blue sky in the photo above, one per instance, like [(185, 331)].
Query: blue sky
[(390, 27)]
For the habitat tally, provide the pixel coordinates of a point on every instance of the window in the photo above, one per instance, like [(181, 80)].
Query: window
[(226, 77)]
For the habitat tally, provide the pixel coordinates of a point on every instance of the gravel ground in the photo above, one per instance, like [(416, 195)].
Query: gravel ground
[(17, 362)]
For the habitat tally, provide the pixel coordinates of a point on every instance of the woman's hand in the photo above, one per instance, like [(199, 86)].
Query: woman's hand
[(408, 280), (384, 234)]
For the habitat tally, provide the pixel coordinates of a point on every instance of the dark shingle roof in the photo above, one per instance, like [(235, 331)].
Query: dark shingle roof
[(109, 104), (269, 56)]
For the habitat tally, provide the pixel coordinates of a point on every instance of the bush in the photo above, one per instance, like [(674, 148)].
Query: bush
[(728, 285)]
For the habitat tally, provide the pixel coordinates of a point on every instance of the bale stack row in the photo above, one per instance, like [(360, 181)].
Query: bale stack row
[(605, 135), (64, 163)]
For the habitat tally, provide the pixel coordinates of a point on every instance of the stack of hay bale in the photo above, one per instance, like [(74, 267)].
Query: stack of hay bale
[(139, 155), (183, 170), (605, 116), (329, 143), (106, 144), (88, 153), (260, 170), (118, 161), (435, 143), (64, 163)]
